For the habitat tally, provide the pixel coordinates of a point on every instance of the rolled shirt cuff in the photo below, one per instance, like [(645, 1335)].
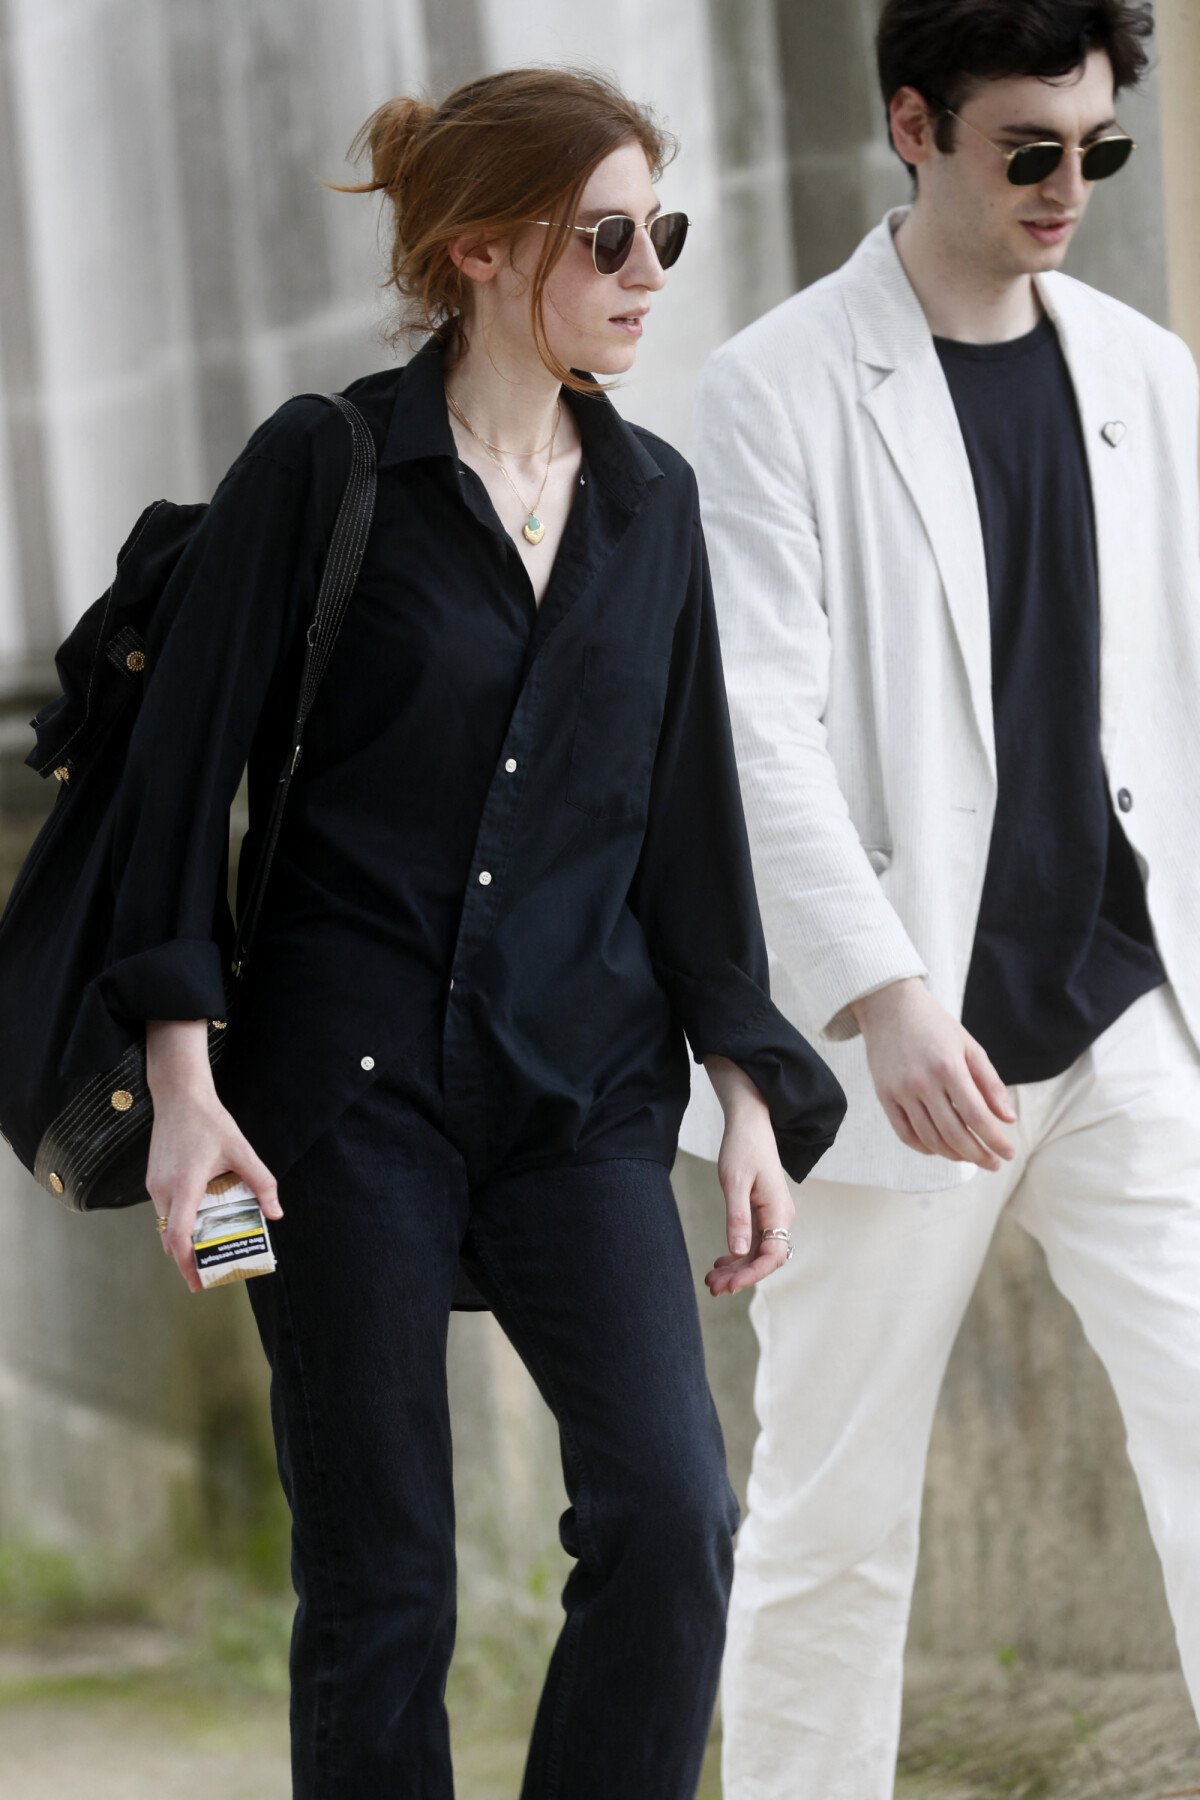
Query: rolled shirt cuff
[(736, 1019), (183, 979)]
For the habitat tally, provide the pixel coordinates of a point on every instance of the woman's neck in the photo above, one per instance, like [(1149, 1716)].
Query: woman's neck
[(510, 399)]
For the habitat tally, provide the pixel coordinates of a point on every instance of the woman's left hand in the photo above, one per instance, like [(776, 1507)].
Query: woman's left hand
[(757, 1196)]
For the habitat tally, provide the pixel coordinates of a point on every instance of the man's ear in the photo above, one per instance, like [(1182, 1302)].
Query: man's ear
[(913, 126)]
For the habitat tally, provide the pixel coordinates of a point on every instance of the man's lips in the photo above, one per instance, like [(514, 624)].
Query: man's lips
[(1049, 231)]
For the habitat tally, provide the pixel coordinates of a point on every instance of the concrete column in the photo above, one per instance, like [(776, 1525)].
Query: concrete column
[(754, 256), (843, 173), (1179, 47)]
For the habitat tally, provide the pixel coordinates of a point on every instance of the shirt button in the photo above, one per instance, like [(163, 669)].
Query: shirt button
[(511, 765), (452, 984), (485, 879), (1124, 799), (368, 1062)]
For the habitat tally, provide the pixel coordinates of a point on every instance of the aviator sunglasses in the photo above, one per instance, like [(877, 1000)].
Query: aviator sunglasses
[(1031, 163), (612, 238)]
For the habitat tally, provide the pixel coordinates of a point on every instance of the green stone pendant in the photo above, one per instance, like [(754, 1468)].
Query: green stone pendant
[(533, 529)]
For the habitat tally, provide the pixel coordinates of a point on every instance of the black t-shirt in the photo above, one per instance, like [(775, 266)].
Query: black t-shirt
[(1063, 943)]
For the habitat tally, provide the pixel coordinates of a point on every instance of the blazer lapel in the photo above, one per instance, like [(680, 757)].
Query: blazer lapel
[(905, 393), (1111, 417)]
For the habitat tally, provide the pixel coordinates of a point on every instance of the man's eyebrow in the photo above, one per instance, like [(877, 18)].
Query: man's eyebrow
[(1052, 131), (594, 214)]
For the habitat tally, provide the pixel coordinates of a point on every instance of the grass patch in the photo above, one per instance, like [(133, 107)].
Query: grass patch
[(43, 1588), (996, 1744)]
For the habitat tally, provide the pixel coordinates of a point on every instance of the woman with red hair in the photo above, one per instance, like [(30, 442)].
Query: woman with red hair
[(512, 876)]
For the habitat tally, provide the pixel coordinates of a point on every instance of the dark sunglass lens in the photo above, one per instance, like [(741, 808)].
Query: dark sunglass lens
[(1034, 163), (1105, 157), (668, 234), (612, 239)]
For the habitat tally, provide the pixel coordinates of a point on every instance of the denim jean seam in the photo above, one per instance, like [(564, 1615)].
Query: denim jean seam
[(573, 1624), (325, 1738)]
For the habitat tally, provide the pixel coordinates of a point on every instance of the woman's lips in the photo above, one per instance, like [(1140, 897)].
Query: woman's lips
[(629, 323)]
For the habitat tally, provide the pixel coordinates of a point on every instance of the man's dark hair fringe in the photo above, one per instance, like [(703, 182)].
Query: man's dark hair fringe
[(943, 48)]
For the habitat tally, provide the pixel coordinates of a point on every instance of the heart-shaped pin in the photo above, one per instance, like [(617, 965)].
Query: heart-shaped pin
[(1113, 432)]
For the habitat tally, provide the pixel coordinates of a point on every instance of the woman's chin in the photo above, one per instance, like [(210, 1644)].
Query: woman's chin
[(611, 358)]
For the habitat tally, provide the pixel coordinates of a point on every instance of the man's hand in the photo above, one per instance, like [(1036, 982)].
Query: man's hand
[(934, 1082)]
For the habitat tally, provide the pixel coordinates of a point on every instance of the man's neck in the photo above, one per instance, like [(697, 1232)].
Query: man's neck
[(961, 301)]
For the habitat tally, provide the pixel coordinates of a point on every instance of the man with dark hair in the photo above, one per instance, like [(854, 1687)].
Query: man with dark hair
[(951, 503)]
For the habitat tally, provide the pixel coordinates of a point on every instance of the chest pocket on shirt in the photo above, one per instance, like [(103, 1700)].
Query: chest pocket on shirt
[(616, 734)]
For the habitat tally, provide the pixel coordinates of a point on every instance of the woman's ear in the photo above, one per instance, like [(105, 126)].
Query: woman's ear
[(476, 259)]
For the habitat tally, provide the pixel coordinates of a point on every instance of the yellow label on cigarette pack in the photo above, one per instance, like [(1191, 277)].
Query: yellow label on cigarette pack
[(230, 1241)]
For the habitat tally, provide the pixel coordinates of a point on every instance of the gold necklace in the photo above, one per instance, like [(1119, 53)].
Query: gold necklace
[(457, 410), (533, 530)]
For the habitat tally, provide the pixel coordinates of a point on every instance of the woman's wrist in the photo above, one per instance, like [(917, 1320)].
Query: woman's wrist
[(177, 1057), (739, 1097)]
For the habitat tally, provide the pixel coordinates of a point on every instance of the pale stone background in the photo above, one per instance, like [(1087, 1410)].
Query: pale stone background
[(171, 271)]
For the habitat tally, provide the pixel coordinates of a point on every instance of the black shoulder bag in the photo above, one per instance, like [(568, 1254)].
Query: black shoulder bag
[(87, 1142)]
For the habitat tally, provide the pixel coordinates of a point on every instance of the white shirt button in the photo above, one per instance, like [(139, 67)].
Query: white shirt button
[(485, 879), (452, 984), (368, 1062), (511, 765)]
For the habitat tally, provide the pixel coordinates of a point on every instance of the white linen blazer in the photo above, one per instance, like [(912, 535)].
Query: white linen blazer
[(848, 565)]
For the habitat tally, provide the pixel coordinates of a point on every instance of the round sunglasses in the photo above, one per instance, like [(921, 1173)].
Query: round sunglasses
[(612, 238), (1031, 163)]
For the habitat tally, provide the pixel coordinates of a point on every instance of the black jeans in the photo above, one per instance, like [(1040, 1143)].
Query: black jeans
[(586, 1271)]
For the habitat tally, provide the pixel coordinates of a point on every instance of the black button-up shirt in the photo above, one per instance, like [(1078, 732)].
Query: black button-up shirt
[(515, 841)]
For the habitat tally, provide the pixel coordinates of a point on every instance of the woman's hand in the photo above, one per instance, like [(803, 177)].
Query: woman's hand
[(757, 1196), (193, 1138)]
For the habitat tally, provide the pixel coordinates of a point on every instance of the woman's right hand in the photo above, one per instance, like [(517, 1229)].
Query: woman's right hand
[(193, 1138)]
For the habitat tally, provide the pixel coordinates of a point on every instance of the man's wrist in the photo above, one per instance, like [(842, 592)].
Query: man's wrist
[(883, 1003)]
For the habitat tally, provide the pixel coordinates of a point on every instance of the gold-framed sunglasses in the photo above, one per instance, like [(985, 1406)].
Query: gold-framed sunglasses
[(612, 238), (1031, 163)]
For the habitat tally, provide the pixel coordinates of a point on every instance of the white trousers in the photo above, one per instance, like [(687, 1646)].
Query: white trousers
[(854, 1336)]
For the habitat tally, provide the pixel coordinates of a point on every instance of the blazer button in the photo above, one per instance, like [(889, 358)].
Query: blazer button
[(485, 879), (1124, 799), (368, 1062), (511, 765)]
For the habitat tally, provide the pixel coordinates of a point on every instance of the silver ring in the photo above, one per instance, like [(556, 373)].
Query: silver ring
[(783, 1237)]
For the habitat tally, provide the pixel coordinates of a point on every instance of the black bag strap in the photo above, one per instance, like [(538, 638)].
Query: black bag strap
[(339, 578)]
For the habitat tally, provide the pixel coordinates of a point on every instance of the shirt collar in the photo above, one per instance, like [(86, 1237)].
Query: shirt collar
[(420, 427)]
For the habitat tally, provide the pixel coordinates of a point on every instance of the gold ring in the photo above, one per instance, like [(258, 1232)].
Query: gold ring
[(160, 1222)]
